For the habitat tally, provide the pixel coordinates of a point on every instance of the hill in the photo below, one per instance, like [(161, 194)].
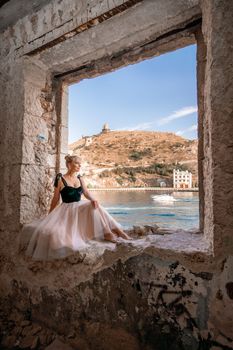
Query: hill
[(134, 158)]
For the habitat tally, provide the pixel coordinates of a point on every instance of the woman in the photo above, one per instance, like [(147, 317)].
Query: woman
[(69, 226)]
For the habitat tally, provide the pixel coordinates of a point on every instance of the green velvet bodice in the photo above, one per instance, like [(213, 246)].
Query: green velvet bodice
[(69, 194)]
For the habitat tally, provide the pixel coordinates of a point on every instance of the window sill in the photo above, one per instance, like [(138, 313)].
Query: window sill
[(190, 249)]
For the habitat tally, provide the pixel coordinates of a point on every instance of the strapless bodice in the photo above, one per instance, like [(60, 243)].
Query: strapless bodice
[(71, 194)]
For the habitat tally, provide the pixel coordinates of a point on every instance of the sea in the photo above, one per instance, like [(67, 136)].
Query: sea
[(177, 210)]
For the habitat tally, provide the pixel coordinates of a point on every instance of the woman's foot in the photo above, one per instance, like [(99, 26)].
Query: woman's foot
[(122, 234), (110, 237)]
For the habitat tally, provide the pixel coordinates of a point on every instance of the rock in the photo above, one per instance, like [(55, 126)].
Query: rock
[(140, 230), (49, 338), (29, 342), (76, 258), (163, 231), (114, 339), (25, 323), (26, 331), (17, 331), (145, 230), (35, 329), (58, 345), (152, 228), (46, 337), (43, 338), (79, 344), (16, 317), (35, 343), (9, 341), (71, 335), (93, 328)]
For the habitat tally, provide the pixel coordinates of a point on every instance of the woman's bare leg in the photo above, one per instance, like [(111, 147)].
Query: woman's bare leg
[(110, 237), (121, 233)]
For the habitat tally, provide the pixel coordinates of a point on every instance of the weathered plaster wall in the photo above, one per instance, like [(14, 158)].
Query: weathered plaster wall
[(45, 124), (142, 302), (170, 292), (59, 18), (218, 125), (121, 33), (201, 68), (11, 126)]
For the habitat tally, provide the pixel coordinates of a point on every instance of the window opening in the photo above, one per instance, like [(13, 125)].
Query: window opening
[(136, 132)]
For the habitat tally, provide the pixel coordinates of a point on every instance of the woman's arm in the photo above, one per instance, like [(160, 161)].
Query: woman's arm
[(56, 197), (87, 194)]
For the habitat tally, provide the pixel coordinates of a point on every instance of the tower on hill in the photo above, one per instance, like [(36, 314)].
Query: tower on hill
[(105, 128)]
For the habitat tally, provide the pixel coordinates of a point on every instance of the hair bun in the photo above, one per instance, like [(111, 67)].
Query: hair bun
[(70, 158), (67, 156)]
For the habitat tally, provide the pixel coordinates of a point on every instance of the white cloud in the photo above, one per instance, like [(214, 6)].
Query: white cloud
[(184, 131), (178, 114), (142, 126), (182, 112)]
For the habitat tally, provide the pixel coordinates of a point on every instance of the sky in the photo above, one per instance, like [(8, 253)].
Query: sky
[(157, 94)]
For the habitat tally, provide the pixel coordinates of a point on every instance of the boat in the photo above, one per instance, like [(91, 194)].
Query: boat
[(163, 198)]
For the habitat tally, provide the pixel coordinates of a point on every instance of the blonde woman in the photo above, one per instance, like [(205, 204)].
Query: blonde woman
[(69, 226)]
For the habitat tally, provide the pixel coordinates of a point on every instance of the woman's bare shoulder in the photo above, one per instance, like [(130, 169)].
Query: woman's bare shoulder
[(58, 180)]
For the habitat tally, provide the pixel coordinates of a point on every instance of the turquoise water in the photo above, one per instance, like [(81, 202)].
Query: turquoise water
[(177, 210)]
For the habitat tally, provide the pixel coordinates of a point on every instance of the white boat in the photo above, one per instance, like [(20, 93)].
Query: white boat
[(163, 198)]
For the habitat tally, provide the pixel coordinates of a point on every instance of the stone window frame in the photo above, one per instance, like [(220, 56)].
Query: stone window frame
[(133, 50), (62, 81)]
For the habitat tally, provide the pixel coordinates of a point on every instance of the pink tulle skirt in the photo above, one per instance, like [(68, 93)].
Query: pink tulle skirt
[(67, 229)]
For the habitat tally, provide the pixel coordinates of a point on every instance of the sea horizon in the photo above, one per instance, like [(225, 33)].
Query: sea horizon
[(160, 189)]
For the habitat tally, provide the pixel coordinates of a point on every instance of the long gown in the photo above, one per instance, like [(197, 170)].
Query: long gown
[(67, 228)]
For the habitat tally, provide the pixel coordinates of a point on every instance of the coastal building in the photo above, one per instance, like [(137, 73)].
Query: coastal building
[(182, 179), (87, 140)]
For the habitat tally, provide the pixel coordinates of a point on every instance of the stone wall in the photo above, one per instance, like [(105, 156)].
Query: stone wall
[(130, 296), (218, 124), (173, 291)]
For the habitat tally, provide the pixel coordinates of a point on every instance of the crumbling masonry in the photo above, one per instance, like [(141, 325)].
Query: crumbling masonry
[(160, 292)]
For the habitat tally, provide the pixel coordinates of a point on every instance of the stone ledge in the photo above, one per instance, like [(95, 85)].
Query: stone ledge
[(176, 245)]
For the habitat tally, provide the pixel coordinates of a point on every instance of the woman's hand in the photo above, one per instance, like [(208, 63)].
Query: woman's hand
[(95, 203)]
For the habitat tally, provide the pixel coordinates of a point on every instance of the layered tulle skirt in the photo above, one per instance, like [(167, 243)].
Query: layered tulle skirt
[(65, 230)]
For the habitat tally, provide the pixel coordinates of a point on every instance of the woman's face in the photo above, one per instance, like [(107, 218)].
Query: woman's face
[(75, 165)]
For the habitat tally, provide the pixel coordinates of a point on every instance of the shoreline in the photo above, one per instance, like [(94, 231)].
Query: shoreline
[(159, 189)]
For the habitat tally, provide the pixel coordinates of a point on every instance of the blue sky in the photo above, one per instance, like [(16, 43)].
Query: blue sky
[(158, 94)]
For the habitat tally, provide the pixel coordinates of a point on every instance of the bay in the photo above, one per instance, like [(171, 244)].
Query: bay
[(178, 210)]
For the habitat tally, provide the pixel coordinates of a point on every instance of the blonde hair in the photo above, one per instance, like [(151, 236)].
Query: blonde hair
[(70, 159)]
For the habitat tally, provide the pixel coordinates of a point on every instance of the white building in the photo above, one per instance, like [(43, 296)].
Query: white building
[(88, 140), (182, 179)]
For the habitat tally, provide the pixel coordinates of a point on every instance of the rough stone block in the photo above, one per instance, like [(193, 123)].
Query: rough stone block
[(58, 345), (35, 127), (33, 103), (64, 140)]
